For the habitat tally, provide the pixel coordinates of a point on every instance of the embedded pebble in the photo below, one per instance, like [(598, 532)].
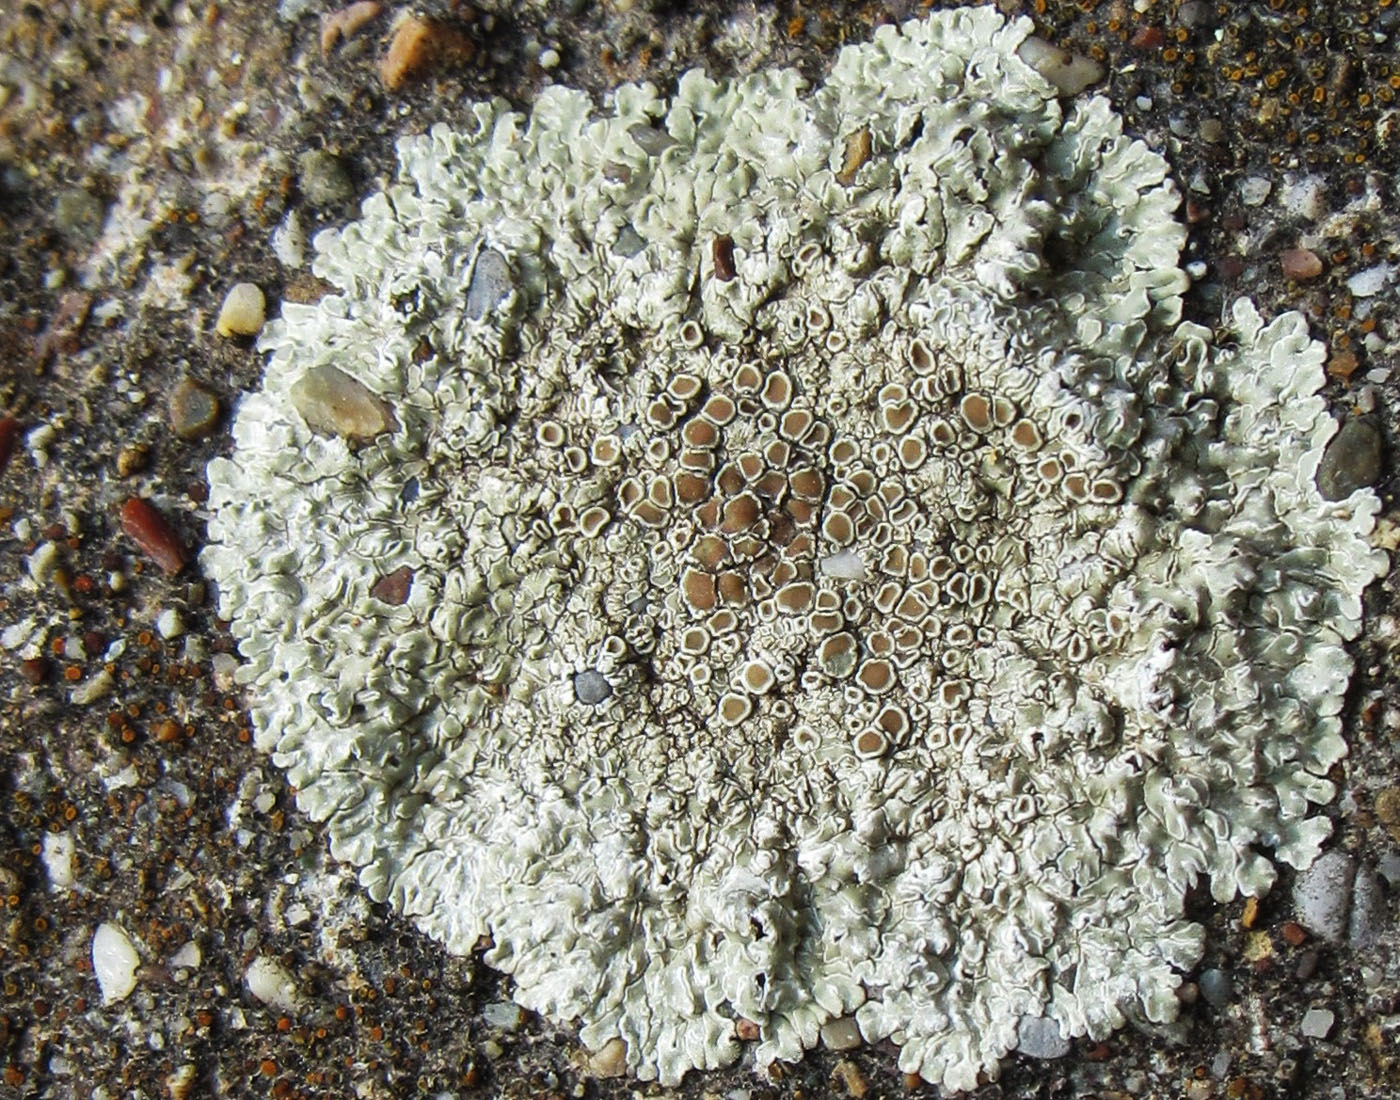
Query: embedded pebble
[(505, 1015), (491, 281), (609, 1060), (170, 624), (1305, 198), (58, 859), (332, 402), (1196, 14), (79, 214), (1368, 909), (324, 178), (114, 961), (1371, 281), (1317, 1023), (1068, 72), (243, 312), (844, 565), (271, 983), (1254, 190), (193, 409), (841, 1033), (1322, 895), (346, 22), (591, 687), (851, 1078), (143, 523), (1217, 987), (1301, 263), (96, 687), (187, 958), (419, 45), (1039, 1037), (1352, 460)]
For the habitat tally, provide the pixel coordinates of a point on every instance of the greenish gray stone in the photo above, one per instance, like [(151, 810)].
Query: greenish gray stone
[(324, 178), (193, 409), (1352, 460), (79, 214)]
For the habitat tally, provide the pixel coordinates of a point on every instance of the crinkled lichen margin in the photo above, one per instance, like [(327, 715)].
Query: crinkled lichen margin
[(777, 554)]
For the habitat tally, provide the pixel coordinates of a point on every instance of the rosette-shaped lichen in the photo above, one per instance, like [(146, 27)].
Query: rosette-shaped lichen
[(776, 554)]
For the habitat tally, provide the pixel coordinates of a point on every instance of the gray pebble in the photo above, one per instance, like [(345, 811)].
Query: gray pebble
[(841, 1034), (79, 215), (491, 282), (1196, 14), (324, 179), (1322, 896), (1317, 1023), (591, 687), (193, 409), (1352, 460), (505, 1015), (1367, 909), (1039, 1037), (1217, 987)]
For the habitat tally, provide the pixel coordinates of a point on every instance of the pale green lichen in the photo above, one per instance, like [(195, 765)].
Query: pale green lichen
[(839, 582)]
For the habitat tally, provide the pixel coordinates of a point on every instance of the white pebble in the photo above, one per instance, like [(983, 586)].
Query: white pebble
[(549, 59), (844, 565), (169, 624), (269, 981), (114, 961), (58, 858), (93, 689), (1254, 190), (1068, 72), (187, 958), (243, 311), (1370, 282), (1304, 198), (42, 562)]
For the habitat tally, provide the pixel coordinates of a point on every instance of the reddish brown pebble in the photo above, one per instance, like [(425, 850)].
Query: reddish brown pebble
[(393, 588), (745, 1029), (723, 252), (1099, 1052), (150, 530), (9, 433), (1301, 263), (34, 669), (1293, 933), (913, 1081), (1230, 267), (1149, 38), (419, 44), (1196, 212)]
